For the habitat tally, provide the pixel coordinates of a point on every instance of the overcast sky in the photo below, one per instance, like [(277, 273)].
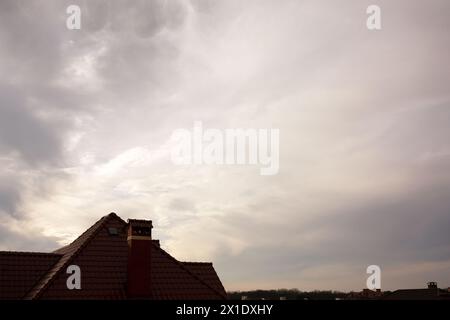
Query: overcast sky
[(364, 116)]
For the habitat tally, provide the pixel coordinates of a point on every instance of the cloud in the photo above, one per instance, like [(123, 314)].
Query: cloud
[(10, 195), (21, 131), (16, 241), (86, 116)]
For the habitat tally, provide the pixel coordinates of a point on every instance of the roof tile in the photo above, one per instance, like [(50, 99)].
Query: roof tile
[(103, 259)]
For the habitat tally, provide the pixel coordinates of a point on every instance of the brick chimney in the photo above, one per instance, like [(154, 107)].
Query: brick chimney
[(139, 257), (432, 285)]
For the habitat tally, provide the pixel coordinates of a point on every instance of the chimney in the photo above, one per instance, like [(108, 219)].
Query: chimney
[(432, 285), (139, 257)]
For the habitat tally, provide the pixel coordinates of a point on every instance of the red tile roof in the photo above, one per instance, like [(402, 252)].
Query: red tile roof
[(19, 271), (206, 272), (103, 258), (171, 279)]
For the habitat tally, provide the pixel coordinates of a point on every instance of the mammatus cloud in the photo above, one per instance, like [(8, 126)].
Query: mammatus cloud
[(86, 118)]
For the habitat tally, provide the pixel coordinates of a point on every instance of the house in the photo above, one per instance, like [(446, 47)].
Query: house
[(365, 294), (116, 260), (432, 292)]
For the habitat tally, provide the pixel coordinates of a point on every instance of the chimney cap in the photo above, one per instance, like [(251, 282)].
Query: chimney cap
[(140, 223)]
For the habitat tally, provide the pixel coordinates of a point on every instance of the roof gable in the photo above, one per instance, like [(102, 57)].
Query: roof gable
[(69, 253), (103, 259), (172, 279), (206, 272)]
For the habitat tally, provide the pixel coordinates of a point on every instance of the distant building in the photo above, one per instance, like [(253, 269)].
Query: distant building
[(365, 294), (432, 292)]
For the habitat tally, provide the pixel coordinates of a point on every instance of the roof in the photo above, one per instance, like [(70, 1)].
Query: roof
[(206, 272), (417, 294), (20, 270), (104, 259), (172, 279)]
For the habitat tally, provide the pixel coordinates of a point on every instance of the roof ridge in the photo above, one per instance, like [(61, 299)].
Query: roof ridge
[(196, 262), (74, 248), (190, 272), (112, 214), (31, 253), (68, 256)]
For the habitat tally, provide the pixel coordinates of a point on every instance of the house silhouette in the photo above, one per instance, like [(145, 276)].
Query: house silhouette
[(117, 260)]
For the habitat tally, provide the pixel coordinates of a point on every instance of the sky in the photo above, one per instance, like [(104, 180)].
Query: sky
[(86, 118)]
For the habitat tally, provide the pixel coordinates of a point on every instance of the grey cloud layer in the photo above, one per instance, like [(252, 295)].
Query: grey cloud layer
[(363, 116)]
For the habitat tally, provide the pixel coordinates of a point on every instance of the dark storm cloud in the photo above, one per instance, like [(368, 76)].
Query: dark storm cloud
[(38, 109), (21, 131), (28, 143), (10, 195), (34, 112), (32, 119), (140, 61), (30, 51)]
